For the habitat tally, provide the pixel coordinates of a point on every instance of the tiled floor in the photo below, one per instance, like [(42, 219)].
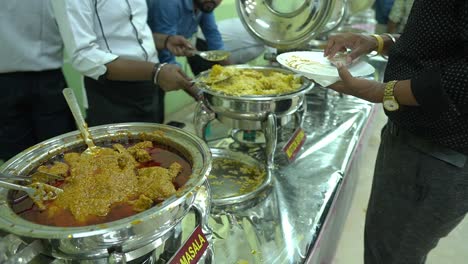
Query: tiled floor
[(451, 250)]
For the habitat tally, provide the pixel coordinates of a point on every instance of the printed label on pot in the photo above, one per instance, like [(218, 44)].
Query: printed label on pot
[(192, 250), (294, 144)]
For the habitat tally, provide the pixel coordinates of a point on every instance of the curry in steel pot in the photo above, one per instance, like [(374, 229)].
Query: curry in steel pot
[(118, 181)]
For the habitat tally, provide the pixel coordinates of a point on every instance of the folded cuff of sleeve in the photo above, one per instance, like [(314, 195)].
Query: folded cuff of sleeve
[(428, 91)]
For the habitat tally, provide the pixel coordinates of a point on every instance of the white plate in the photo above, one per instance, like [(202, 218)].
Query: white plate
[(314, 66)]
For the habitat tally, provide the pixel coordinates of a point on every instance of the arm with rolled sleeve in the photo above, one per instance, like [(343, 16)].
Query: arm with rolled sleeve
[(440, 88), (211, 32), (165, 15), (75, 20)]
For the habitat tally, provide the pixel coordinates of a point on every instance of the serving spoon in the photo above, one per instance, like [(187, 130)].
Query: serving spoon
[(212, 55), (38, 191), (80, 123), (37, 176)]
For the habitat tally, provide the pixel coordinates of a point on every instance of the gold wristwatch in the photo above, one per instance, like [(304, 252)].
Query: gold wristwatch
[(389, 101)]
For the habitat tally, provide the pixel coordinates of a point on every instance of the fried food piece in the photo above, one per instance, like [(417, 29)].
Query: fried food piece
[(174, 170), (142, 203), (155, 182), (139, 151), (125, 159), (58, 168)]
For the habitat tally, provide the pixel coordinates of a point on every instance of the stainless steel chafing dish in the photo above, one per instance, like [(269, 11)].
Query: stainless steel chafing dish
[(253, 107), (251, 112), (127, 238)]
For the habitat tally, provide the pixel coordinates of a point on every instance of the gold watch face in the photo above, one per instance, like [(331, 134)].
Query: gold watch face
[(391, 104)]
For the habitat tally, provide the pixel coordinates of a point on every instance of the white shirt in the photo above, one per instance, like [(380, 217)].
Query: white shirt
[(29, 37), (124, 32)]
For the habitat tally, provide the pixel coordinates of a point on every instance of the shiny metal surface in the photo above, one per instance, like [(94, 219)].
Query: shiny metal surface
[(287, 24), (226, 192), (124, 236), (338, 16), (213, 55), (285, 226), (254, 108), (251, 112)]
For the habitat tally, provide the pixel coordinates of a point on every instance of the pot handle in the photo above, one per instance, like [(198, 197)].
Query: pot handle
[(201, 208), (271, 137), (202, 117), (116, 256), (13, 251), (195, 92)]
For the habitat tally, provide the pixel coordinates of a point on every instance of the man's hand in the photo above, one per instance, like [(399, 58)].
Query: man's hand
[(171, 78), (225, 62), (178, 45), (368, 90), (359, 44)]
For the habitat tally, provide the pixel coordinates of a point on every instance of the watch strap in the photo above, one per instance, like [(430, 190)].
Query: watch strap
[(389, 89)]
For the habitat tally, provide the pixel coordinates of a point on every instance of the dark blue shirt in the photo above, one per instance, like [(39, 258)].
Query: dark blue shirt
[(178, 17), (382, 10)]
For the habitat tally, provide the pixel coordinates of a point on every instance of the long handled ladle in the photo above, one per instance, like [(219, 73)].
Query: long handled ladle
[(80, 122)]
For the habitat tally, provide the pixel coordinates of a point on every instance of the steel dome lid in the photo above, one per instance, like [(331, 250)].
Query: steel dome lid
[(286, 24)]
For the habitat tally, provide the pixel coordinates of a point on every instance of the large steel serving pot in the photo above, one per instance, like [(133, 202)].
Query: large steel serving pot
[(254, 112), (125, 235), (255, 107)]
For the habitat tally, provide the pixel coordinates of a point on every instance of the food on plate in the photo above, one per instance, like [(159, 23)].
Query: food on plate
[(114, 183), (310, 66), (241, 82)]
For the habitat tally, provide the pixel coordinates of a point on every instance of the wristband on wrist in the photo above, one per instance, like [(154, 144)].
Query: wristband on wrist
[(392, 38), (166, 41), (155, 69), (158, 67), (380, 43)]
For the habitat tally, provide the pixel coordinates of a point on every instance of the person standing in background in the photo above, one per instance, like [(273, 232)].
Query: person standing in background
[(399, 15), (382, 10), (183, 17), (111, 44), (32, 107)]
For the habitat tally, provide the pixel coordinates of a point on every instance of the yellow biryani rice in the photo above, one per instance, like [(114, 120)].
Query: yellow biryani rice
[(241, 82)]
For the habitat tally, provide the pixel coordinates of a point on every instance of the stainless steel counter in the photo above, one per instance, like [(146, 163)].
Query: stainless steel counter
[(301, 219), (286, 225)]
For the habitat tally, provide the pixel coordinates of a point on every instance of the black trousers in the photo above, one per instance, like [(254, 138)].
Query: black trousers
[(419, 194), (119, 102), (32, 109)]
